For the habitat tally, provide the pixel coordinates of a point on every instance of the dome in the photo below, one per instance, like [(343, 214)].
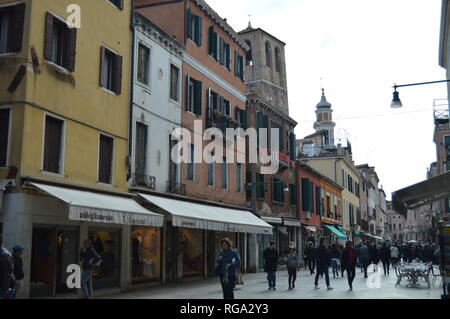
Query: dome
[(323, 103)]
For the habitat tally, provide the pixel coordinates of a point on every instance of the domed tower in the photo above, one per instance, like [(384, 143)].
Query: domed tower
[(324, 121)]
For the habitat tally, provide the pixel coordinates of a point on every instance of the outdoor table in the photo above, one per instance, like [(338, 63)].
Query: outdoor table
[(416, 271)]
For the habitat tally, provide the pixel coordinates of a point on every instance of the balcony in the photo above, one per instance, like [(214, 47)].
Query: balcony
[(138, 180), (176, 188)]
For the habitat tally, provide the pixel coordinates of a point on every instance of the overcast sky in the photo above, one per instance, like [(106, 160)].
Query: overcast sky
[(360, 48)]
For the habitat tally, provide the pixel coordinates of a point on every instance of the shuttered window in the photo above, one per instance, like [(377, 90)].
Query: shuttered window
[(292, 147), (276, 126), (11, 28), (53, 144), (213, 43), (225, 174), (60, 43), (238, 65), (225, 54), (190, 165), (194, 27), (106, 153), (278, 59), (4, 136), (117, 3), (211, 174), (111, 71), (241, 117), (292, 195), (239, 177), (260, 186), (277, 190), (193, 95), (319, 206)]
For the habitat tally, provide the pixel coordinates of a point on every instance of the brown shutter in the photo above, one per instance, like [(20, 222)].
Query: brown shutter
[(105, 160), (72, 49), (119, 62), (16, 30), (52, 145), (102, 60), (48, 44), (4, 132)]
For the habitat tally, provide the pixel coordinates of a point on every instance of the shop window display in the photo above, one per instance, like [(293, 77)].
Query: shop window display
[(146, 254), (191, 241), (107, 245)]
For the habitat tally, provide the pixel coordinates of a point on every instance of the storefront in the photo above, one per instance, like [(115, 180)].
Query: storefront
[(194, 232), (52, 223), (334, 235), (146, 257)]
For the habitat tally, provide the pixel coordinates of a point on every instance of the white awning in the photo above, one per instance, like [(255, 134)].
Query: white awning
[(311, 228), (272, 220), (192, 215), (292, 222), (99, 208), (3, 184)]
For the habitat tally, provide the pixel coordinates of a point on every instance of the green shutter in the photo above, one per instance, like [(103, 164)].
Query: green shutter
[(188, 24), (188, 79), (241, 68), (311, 197), (318, 202), (211, 41), (198, 98)]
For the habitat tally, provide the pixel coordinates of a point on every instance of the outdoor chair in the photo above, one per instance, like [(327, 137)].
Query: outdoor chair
[(400, 273), (436, 274)]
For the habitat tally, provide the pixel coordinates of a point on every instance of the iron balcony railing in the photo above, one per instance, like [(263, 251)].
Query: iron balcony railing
[(138, 180)]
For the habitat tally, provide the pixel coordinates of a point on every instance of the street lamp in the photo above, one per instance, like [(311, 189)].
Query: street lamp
[(397, 103)]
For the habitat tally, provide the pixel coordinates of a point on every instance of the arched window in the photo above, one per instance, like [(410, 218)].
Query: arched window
[(249, 54), (268, 55), (277, 59)]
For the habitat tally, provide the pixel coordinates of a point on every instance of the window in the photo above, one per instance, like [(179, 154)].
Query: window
[(11, 28), (211, 172), (225, 54), (191, 169), (141, 149), (105, 163), (268, 55), (60, 43), (262, 122), (249, 55), (241, 117), (226, 109), (143, 71), (239, 177), (260, 186), (278, 59), (53, 145), (174, 83), (281, 135), (117, 3), (277, 190), (4, 136), (213, 43), (111, 71), (319, 202), (292, 195), (193, 95), (194, 27), (238, 65), (225, 174)]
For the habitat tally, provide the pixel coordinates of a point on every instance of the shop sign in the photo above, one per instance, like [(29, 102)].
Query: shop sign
[(111, 217)]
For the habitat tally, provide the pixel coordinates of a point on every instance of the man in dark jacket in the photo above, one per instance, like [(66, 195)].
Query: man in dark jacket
[(270, 264), (89, 257), (310, 257), (6, 271), (349, 263), (364, 258), (18, 268), (385, 256), (228, 260), (323, 262)]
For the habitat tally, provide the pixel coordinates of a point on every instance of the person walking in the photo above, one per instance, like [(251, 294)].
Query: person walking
[(394, 255), (310, 257), (323, 262), (292, 266), (89, 257), (335, 260), (349, 263), (385, 256), (375, 257), (18, 269), (228, 260), (270, 257), (7, 280), (364, 258)]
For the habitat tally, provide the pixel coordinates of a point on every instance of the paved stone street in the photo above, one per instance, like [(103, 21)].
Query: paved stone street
[(256, 288)]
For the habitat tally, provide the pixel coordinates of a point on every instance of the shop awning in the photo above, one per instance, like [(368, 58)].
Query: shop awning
[(342, 229), (100, 208), (311, 228), (199, 216), (292, 222), (357, 233), (418, 195), (334, 230), (370, 236), (272, 220)]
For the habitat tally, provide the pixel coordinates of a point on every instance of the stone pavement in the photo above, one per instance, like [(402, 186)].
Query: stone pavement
[(256, 288)]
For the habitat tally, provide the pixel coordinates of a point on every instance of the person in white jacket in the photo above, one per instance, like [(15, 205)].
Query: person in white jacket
[(394, 255)]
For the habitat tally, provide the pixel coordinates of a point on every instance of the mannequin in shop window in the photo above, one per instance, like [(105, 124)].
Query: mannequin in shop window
[(137, 254), (97, 243)]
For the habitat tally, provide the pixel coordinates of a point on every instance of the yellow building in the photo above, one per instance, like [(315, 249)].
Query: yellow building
[(341, 170), (64, 127)]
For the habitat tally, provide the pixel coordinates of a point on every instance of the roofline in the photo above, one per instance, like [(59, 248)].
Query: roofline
[(259, 29), (225, 26), (253, 97)]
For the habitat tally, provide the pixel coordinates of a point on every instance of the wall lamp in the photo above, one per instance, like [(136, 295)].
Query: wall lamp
[(397, 103)]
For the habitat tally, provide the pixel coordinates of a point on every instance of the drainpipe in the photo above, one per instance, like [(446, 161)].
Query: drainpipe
[(130, 124)]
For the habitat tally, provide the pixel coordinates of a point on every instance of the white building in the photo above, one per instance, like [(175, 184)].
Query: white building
[(156, 108)]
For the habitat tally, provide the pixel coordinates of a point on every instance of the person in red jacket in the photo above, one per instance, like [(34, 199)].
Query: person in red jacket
[(349, 263)]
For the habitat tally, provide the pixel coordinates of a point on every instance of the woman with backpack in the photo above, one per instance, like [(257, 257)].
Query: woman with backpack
[(292, 266)]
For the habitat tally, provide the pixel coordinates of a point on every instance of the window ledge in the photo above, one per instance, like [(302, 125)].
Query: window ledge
[(60, 175), (109, 91), (60, 73)]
